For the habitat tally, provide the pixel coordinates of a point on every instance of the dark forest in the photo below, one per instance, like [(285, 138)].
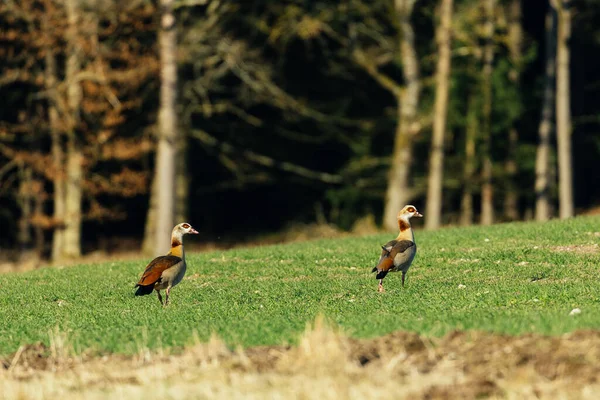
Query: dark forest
[(249, 118)]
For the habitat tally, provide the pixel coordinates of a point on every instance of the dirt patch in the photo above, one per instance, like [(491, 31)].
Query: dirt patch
[(30, 356), (592, 211), (264, 358), (578, 248), (326, 364)]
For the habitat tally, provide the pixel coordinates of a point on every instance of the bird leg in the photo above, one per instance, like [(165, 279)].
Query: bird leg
[(403, 275), (380, 288), (167, 299), (159, 296)]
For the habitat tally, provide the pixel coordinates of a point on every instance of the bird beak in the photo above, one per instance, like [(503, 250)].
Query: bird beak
[(418, 214), (193, 231)]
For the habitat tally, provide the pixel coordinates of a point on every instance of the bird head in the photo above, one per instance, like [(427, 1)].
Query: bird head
[(181, 229), (408, 212), (184, 229)]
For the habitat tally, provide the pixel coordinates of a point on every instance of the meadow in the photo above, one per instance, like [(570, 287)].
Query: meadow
[(508, 278)]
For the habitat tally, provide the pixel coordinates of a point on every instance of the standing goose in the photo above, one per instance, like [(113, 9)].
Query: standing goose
[(397, 254), (164, 272)]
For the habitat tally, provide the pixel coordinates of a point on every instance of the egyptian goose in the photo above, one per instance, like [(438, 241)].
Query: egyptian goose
[(164, 272), (398, 254)]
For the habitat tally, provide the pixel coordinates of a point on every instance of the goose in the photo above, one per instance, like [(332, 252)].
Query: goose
[(164, 272), (398, 254)]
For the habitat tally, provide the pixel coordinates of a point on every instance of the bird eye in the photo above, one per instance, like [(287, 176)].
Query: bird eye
[(411, 209), (186, 226)]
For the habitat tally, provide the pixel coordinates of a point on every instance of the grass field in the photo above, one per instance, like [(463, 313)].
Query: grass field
[(509, 278)]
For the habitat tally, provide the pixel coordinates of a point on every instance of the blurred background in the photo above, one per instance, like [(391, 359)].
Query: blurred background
[(264, 121)]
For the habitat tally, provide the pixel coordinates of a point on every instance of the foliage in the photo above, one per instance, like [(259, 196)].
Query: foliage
[(115, 46)]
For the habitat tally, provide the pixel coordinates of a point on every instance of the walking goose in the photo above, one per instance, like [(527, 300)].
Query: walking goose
[(164, 272), (398, 254)]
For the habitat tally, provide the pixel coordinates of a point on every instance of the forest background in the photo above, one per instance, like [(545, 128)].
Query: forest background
[(118, 119)]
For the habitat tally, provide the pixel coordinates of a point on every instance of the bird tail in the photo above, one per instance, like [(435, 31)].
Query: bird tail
[(374, 269), (380, 274), (143, 290)]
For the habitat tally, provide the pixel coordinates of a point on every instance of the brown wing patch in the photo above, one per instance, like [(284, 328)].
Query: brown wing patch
[(154, 270), (385, 263)]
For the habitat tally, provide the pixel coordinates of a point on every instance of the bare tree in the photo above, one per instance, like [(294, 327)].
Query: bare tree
[(71, 246), (487, 190), (472, 126), (436, 161), (407, 102), (563, 111), (150, 226), (167, 129), (181, 182), (24, 198), (58, 175), (542, 160), (515, 43)]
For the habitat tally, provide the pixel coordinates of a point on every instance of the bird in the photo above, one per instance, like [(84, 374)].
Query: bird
[(398, 254), (164, 272)]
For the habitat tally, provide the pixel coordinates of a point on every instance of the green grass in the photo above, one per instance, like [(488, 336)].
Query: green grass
[(515, 279)]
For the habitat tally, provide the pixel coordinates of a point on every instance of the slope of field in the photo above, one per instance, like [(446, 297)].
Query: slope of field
[(509, 279)]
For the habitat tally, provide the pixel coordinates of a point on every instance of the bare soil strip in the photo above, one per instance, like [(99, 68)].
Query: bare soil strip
[(324, 365)]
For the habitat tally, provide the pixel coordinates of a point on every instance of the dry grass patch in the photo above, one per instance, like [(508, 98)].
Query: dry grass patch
[(325, 365), (578, 248)]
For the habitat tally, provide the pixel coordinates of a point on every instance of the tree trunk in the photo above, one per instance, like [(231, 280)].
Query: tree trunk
[(542, 160), (487, 191), (511, 199), (181, 183), (515, 35), (25, 205), (167, 130), (398, 192), (72, 235), (150, 227), (40, 241), (563, 112), (436, 161), (58, 176), (74, 160), (29, 254), (466, 204)]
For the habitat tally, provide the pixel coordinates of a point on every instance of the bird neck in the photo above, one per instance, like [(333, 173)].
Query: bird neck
[(406, 232), (176, 246)]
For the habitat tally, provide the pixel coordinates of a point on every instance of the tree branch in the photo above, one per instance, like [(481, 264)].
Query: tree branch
[(7, 167), (370, 68), (265, 160)]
